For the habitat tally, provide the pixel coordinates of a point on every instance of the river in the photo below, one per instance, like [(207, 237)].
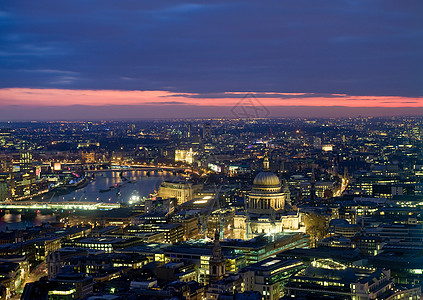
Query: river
[(142, 184), (139, 183)]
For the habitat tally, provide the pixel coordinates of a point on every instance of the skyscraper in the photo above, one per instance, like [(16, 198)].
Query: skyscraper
[(207, 132)]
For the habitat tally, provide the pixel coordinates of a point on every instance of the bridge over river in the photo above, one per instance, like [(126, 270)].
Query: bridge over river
[(137, 168), (54, 206)]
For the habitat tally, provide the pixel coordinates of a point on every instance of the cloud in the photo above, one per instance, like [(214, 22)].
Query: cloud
[(325, 47), (52, 71), (166, 103), (69, 97)]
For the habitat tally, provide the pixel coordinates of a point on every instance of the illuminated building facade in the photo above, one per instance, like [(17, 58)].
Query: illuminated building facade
[(25, 161), (268, 208), (202, 256), (186, 156), (4, 188), (327, 278), (268, 277), (182, 190)]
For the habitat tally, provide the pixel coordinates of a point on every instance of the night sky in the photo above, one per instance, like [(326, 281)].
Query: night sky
[(92, 59)]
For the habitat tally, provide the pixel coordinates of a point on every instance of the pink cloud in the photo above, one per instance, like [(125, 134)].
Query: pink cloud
[(65, 97)]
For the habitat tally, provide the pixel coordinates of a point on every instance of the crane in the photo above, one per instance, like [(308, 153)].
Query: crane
[(52, 196), (80, 198), (211, 207)]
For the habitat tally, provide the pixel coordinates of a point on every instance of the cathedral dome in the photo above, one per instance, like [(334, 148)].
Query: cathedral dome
[(266, 179)]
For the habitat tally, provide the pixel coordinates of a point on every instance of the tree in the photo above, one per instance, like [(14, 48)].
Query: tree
[(315, 227)]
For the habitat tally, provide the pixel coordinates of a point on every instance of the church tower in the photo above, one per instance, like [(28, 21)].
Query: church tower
[(217, 263), (266, 164)]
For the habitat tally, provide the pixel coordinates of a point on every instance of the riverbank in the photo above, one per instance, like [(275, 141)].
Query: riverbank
[(62, 190)]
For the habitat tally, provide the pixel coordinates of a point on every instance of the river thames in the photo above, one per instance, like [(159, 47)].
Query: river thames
[(138, 183), (130, 186)]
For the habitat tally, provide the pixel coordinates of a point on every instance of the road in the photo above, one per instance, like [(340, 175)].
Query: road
[(36, 274)]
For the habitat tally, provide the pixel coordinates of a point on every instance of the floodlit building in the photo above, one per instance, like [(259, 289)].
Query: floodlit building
[(78, 283), (269, 276), (182, 190), (186, 156), (327, 278), (268, 209), (265, 246)]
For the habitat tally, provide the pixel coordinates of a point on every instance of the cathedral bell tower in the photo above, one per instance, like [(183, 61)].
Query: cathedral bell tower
[(266, 164), (217, 263)]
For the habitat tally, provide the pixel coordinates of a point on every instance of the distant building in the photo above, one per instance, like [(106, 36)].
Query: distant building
[(229, 287), (4, 187), (400, 234), (11, 277), (317, 143), (206, 132), (265, 246), (180, 271), (186, 156), (78, 283), (107, 244), (327, 148), (326, 278), (321, 189), (56, 260), (405, 262), (189, 224), (25, 161), (188, 131), (160, 205), (172, 233), (89, 157), (269, 276), (182, 190), (367, 245), (201, 255), (344, 228)]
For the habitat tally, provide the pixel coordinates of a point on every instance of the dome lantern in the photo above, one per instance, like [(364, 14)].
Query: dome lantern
[(266, 164)]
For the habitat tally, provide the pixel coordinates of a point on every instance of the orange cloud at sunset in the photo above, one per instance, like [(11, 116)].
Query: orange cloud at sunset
[(66, 97)]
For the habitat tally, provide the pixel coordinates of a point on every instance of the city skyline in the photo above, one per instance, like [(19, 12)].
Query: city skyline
[(264, 208)]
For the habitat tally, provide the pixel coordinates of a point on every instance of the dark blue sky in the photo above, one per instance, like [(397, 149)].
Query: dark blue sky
[(354, 47)]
